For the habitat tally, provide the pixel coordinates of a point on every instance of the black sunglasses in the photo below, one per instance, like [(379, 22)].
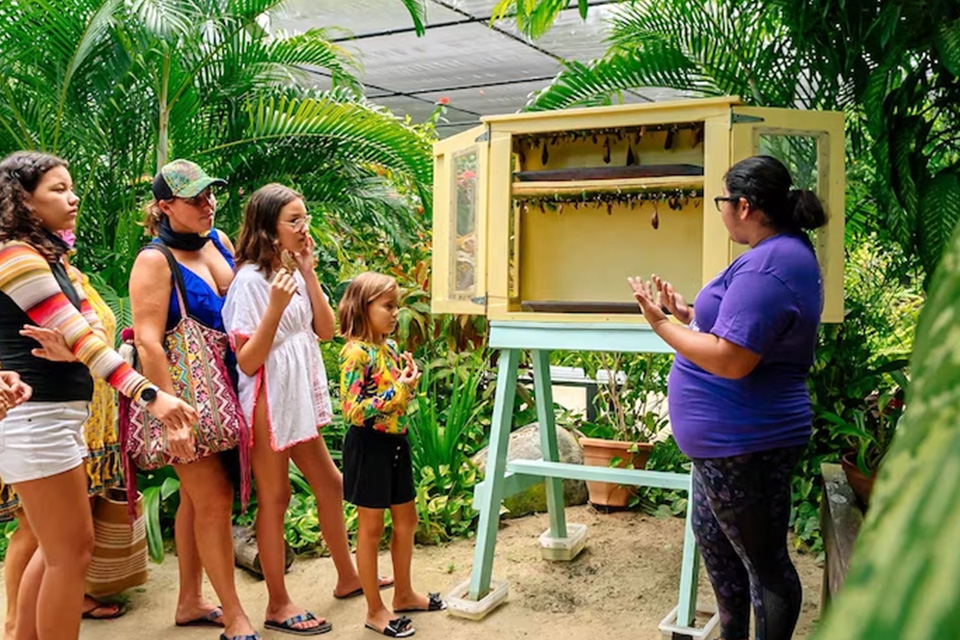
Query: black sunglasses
[(720, 199)]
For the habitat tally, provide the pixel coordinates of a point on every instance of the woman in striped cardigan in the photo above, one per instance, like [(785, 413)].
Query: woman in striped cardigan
[(41, 443)]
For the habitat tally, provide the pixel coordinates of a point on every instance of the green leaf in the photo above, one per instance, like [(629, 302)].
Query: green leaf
[(151, 509), (902, 577), (169, 487), (418, 13), (584, 7), (947, 41), (939, 212)]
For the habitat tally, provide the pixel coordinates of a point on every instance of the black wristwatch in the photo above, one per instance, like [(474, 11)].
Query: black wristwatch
[(148, 395)]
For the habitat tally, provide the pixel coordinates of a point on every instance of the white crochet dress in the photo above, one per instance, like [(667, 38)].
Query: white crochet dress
[(298, 399)]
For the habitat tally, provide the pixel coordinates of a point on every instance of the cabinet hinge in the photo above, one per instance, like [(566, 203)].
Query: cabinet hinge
[(740, 118)]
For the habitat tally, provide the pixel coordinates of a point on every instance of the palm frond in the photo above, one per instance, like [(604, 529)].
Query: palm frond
[(418, 13), (534, 18), (701, 47), (362, 132), (165, 18), (314, 49)]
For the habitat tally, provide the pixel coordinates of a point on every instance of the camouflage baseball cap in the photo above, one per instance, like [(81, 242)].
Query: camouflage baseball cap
[(182, 179)]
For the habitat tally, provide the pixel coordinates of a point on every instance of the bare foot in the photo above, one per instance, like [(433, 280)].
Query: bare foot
[(239, 627), (351, 586), (199, 613), (281, 614)]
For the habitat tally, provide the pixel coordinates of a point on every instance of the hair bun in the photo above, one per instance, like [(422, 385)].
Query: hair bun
[(805, 209)]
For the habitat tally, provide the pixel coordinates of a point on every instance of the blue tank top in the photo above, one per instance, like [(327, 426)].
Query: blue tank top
[(205, 303)]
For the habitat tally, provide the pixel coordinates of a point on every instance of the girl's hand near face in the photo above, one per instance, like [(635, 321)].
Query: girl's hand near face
[(410, 375), (304, 258)]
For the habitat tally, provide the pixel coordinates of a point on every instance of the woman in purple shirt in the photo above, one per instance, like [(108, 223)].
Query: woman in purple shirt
[(739, 405)]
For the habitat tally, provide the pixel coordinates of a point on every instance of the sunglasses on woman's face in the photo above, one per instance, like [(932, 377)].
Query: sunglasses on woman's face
[(299, 224), (201, 198)]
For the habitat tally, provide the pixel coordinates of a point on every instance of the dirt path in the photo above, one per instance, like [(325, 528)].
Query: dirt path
[(621, 586)]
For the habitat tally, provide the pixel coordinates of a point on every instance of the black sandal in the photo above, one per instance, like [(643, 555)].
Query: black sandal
[(436, 604), (401, 627), (287, 625)]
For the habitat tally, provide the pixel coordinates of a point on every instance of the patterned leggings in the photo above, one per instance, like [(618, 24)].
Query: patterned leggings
[(741, 510)]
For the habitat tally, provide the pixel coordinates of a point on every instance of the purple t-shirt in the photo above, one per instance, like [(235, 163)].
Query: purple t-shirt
[(768, 301)]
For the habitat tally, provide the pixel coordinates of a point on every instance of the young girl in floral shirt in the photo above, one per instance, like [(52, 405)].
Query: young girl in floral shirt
[(376, 384)]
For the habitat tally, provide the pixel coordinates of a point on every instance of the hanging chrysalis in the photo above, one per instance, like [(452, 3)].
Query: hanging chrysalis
[(698, 138), (544, 156), (606, 150), (631, 159), (671, 134), (655, 218)]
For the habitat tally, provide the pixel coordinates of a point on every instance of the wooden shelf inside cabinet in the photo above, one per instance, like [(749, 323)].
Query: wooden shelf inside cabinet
[(629, 185)]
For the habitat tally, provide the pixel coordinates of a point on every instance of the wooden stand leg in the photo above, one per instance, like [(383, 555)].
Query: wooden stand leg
[(489, 501), (689, 570), (543, 393)]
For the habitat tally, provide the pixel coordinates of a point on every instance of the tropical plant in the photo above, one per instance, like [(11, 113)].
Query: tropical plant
[(161, 498), (445, 430), (663, 503), (902, 577), (872, 430), (120, 87), (630, 395)]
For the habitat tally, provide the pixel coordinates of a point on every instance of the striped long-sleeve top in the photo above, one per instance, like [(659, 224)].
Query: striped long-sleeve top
[(34, 291)]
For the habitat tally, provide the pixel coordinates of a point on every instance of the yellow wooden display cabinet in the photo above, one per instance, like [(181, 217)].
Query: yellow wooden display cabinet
[(543, 216)]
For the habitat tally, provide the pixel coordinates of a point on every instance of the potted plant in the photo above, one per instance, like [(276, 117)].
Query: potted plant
[(631, 416), (869, 432)]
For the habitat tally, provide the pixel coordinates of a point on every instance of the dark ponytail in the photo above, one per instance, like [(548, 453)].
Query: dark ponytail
[(806, 210), (766, 184)]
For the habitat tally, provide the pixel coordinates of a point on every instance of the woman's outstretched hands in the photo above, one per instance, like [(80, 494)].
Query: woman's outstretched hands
[(673, 301), (648, 298)]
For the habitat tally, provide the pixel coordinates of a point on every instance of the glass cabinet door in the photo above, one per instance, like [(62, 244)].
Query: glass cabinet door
[(811, 145), (459, 223)]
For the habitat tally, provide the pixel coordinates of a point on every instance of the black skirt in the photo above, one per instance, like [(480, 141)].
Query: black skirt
[(377, 469)]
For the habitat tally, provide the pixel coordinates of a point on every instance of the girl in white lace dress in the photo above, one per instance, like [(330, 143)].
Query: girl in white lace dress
[(275, 315)]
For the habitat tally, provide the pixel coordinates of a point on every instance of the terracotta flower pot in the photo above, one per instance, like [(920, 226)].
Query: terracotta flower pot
[(861, 484), (598, 453)]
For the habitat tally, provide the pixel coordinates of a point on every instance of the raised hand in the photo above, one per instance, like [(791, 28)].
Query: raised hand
[(304, 258), (673, 301), (282, 290), (648, 300), (410, 375)]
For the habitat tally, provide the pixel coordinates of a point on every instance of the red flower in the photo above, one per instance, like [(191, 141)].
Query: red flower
[(443, 100)]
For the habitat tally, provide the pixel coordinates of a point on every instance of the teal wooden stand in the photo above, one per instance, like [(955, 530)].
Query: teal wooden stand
[(506, 478)]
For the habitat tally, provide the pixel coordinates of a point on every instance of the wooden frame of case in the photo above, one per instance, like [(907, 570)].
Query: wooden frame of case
[(730, 132)]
